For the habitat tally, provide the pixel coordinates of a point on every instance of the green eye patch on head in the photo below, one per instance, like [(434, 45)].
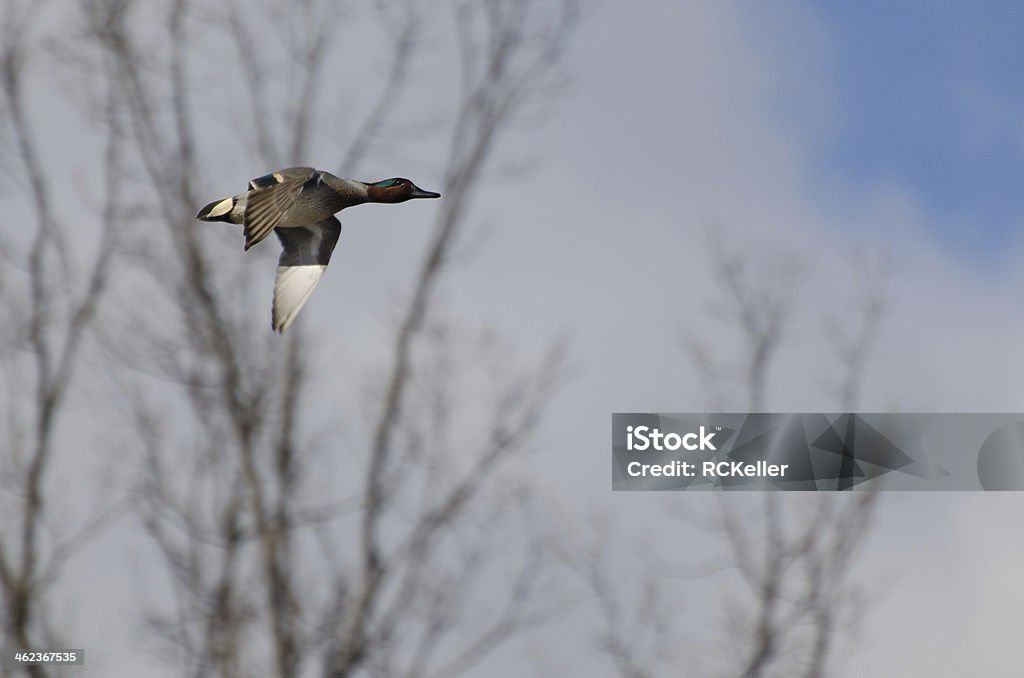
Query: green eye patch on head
[(388, 183)]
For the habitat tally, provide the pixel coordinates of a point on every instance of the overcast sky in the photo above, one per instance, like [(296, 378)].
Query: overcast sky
[(803, 132), (813, 132)]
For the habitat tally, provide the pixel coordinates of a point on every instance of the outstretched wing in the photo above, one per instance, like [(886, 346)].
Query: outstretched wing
[(281, 176), (269, 198), (307, 251)]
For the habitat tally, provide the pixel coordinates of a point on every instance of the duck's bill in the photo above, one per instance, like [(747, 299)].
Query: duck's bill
[(420, 193)]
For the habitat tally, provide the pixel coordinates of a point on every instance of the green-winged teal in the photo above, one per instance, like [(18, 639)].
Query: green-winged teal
[(299, 204)]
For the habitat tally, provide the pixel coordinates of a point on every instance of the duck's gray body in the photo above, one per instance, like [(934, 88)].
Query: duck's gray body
[(290, 198), (299, 204)]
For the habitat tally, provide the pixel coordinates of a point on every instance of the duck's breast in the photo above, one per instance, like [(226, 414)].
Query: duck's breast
[(314, 203)]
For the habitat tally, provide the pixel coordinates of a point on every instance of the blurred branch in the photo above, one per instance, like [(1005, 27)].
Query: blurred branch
[(489, 99), (62, 306), (853, 341), (246, 395), (758, 306), (317, 28), (798, 571), (636, 621), (794, 560), (225, 496), (406, 39), (254, 80)]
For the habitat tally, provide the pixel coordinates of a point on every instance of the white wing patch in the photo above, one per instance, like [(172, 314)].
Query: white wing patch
[(223, 207), (292, 288)]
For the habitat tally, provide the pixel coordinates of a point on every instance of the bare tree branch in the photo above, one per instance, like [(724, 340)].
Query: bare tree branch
[(853, 342), (62, 306), (794, 562)]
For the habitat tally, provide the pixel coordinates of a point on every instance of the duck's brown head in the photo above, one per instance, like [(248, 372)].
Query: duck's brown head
[(396, 190)]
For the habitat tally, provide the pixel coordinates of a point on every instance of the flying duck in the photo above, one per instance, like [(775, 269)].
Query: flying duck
[(299, 204)]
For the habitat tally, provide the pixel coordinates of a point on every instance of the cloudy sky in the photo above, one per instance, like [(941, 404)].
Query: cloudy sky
[(802, 132), (811, 132)]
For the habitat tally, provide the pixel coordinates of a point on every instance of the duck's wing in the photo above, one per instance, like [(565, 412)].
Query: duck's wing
[(307, 251), (281, 176), (269, 198)]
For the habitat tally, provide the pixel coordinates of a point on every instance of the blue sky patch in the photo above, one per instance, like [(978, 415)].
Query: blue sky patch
[(931, 98)]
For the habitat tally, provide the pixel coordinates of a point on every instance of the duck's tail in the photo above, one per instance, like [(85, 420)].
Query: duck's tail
[(231, 210)]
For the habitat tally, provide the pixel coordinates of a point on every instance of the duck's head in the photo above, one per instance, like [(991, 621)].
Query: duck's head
[(396, 190)]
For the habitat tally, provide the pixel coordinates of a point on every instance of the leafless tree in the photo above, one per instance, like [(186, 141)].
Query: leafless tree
[(794, 554), (784, 560), (52, 293), (385, 575), (423, 555)]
